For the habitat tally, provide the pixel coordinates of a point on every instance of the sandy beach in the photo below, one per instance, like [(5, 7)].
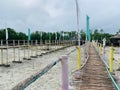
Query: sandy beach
[(11, 76)]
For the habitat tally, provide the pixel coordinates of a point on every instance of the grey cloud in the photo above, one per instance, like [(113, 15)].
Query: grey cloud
[(55, 15)]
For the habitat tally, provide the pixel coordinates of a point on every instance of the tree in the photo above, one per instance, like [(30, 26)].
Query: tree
[(21, 36), (83, 35), (2, 34), (118, 32), (96, 31), (101, 31), (12, 35)]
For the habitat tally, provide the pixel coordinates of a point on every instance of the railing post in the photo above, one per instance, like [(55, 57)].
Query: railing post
[(79, 57), (14, 49), (29, 58), (100, 49), (36, 43), (1, 53), (104, 50), (64, 63), (19, 50), (97, 46), (7, 61), (24, 49), (111, 59), (32, 48), (7, 52)]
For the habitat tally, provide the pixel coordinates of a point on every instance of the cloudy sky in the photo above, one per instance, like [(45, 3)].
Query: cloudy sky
[(57, 15)]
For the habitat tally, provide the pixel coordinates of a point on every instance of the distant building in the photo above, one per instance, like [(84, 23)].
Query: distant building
[(115, 40)]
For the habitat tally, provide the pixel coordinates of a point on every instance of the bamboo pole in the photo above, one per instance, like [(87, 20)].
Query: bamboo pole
[(19, 50), (29, 58), (1, 53), (111, 59), (14, 49), (100, 49), (79, 57), (32, 48), (24, 50), (36, 47), (7, 62)]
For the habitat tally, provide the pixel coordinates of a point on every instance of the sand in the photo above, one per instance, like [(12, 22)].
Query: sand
[(116, 62), (11, 76)]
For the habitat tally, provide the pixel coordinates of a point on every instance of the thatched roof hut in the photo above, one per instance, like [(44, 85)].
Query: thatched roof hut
[(115, 40)]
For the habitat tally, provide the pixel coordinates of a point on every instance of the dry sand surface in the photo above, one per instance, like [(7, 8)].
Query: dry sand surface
[(116, 57), (19, 54), (11, 76)]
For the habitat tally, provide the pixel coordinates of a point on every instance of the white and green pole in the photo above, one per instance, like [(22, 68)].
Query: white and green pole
[(88, 37)]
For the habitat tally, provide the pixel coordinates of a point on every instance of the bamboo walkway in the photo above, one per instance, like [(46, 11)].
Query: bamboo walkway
[(94, 75)]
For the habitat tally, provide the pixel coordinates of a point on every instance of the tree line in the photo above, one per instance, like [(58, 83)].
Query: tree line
[(97, 35), (37, 35)]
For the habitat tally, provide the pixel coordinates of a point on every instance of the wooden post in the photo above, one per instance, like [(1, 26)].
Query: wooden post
[(100, 49), (32, 48), (111, 59), (1, 53), (1, 57), (36, 47), (24, 49), (29, 58), (7, 53), (79, 57), (14, 49), (18, 46), (7, 62), (104, 44), (19, 50), (64, 63), (1, 42), (104, 51)]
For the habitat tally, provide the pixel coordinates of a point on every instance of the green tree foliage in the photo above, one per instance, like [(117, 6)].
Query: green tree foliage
[(21, 36), (68, 35), (2, 34), (35, 35), (99, 35), (83, 35), (12, 35), (118, 32)]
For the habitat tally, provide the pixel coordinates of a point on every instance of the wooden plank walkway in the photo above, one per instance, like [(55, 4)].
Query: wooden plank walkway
[(94, 75)]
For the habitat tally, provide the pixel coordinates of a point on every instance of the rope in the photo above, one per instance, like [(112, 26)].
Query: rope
[(83, 64), (33, 78), (117, 61), (113, 81), (104, 60), (71, 51), (107, 68), (102, 57)]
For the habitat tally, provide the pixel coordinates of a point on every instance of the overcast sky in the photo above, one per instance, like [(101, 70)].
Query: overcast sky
[(56, 15)]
